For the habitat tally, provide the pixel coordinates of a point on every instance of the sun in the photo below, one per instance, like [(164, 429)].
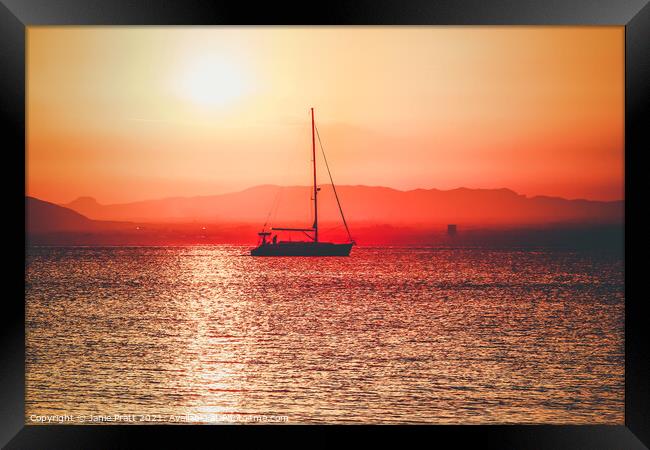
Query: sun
[(213, 82)]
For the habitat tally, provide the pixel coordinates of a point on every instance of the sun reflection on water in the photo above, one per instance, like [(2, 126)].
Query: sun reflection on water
[(384, 336)]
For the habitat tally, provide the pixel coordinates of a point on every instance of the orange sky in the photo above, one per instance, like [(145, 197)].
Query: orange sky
[(132, 113)]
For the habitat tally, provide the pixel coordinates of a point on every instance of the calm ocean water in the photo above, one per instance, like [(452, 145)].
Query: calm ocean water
[(388, 335)]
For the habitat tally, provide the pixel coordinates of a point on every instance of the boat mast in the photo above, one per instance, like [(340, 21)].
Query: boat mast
[(313, 152)]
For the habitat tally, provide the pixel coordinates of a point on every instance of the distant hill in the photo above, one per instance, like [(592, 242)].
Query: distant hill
[(45, 217), (362, 205)]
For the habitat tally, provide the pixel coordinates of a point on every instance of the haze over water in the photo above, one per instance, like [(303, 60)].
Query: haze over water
[(388, 335)]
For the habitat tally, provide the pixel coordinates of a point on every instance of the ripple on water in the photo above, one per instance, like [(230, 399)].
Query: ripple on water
[(386, 335)]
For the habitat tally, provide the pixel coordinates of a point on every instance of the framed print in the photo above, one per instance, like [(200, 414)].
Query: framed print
[(373, 214)]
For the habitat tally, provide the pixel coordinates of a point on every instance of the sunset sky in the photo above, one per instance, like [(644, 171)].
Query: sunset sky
[(133, 113)]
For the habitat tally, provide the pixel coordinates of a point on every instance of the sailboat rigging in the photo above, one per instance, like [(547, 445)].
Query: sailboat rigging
[(313, 247)]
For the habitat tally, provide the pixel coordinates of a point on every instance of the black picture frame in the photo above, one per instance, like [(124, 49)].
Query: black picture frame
[(16, 15)]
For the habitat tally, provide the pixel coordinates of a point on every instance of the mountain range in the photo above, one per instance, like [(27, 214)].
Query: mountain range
[(291, 206), (182, 221)]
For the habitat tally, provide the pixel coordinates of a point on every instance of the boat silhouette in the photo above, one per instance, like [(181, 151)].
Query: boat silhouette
[(312, 247)]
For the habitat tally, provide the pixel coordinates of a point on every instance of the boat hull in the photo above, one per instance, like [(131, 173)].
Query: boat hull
[(302, 249)]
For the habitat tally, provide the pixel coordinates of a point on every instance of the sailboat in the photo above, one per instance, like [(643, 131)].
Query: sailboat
[(312, 247)]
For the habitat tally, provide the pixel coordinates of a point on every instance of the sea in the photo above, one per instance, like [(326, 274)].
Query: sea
[(412, 335)]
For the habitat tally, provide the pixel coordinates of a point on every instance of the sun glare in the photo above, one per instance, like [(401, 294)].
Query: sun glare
[(213, 82)]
